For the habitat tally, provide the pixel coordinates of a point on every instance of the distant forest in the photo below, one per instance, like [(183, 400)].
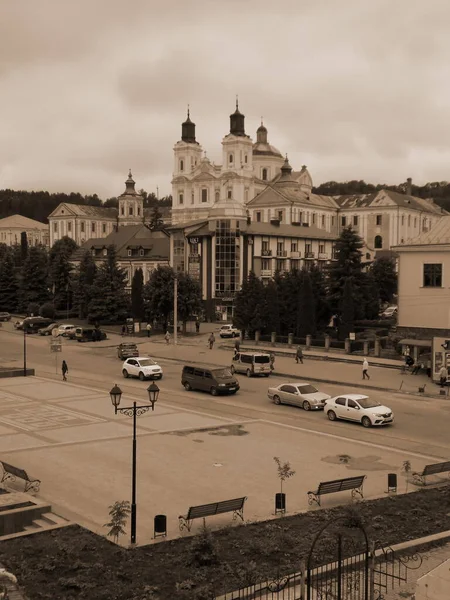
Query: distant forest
[(39, 205)]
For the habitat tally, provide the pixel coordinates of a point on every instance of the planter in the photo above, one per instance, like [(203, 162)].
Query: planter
[(280, 503)]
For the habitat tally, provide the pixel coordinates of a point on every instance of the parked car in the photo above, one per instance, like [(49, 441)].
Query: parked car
[(251, 363), (229, 331), (18, 324), (127, 350), (87, 334), (65, 329), (5, 316), (298, 394), (142, 367), (215, 381), (47, 330), (33, 324), (390, 312), (356, 407)]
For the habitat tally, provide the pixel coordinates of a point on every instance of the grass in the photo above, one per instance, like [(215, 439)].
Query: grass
[(74, 563)]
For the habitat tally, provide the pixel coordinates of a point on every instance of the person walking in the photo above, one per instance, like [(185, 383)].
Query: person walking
[(211, 340), (167, 337), (237, 346), (299, 355), (443, 375), (272, 361), (149, 329), (65, 370), (124, 330), (365, 369), (197, 326)]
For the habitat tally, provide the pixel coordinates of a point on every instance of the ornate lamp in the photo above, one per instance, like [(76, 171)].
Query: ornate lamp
[(116, 395), (153, 392)]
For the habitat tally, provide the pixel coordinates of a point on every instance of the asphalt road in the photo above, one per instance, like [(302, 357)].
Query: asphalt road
[(421, 426)]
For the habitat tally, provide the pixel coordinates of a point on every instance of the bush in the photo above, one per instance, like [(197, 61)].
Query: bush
[(203, 550), (47, 310), (33, 309)]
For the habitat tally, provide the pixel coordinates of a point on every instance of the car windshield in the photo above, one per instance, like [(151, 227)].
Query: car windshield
[(368, 403), (263, 358), (307, 389), (147, 362), (129, 346), (220, 373)]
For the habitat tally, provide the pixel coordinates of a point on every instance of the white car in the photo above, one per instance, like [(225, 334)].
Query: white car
[(355, 407), (299, 394), (142, 367), (229, 331), (390, 312), (64, 330)]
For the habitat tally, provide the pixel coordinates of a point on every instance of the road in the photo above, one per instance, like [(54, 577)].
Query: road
[(421, 425)]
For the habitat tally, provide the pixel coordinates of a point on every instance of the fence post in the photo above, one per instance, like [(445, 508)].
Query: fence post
[(303, 579), (290, 339), (308, 342), (327, 343), (377, 347), (366, 348), (273, 338), (348, 347), (257, 336)]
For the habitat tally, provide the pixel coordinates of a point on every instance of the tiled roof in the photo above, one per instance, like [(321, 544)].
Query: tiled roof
[(439, 234), (130, 236), (385, 198), (18, 221)]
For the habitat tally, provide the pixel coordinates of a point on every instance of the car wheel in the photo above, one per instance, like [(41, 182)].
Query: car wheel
[(232, 369), (306, 405), (160, 377), (249, 373), (213, 391), (366, 422), (276, 400), (141, 376), (125, 373), (187, 386), (331, 415)]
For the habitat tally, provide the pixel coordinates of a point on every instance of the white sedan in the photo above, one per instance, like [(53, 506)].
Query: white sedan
[(64, 330), (299, 394), (142, 367), (359, 408)]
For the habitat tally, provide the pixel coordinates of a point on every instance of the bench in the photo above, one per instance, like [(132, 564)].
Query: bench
[(435, 469), (355, 484), (11, 473), (236, 506)]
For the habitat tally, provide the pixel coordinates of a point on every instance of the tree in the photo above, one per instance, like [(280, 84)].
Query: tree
[(249, 305), (321, 302), (156, 219), (347, 309), (137, 298), (284, 471), (23, 246), (109, 301), (34, 283), (65, 246), (8, 284), (119, 513), (271, 309), (384, 273), (60, 272), (189, 298), (83, 282), (306, 324), (158, 294)]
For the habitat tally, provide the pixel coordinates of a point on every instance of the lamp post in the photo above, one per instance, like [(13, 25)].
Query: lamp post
[(24, 351), (134, 411)]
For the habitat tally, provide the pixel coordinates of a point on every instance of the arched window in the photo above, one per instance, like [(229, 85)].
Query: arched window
[(246, 159), (378, 241), (230, 159), (130, 211), (217, 196), (264, 174), (180, 198), (181, 165)]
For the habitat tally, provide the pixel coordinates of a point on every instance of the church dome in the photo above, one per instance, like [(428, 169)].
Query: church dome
[(262, 147), (227, 208)]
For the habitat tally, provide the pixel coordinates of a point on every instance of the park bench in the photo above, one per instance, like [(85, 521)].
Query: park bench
[(236, 506), (11, 473), (355, 484), (435, 469)]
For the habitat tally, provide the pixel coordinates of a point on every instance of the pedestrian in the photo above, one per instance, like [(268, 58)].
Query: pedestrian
[(299, 355), (65, 370), (149, 329), (124, 330), (167, 337), (211, 340), (443, 376), (237, 346), (365, 369), (409, 362), (197, 326), (429, 368), (272, 361)]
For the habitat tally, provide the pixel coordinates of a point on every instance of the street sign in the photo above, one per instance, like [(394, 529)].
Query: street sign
[(55, 346)]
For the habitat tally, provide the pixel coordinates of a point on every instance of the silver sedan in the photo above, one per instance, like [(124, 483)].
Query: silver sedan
[(302, 394)]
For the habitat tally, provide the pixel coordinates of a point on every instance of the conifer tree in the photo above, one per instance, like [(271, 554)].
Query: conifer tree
[(249, 305), (306, 312), (137, 298), (83, 281), (158, 294), (34, 281), (109, 301), (271, 308), (8, 284), (189, 298), (347, 309)]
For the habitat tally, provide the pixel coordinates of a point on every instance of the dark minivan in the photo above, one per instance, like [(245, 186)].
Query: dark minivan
[(89, 334), (216, 381), (33, 324)]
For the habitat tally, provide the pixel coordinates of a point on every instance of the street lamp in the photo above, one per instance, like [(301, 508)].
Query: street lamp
[(134, 411), (24, 350)]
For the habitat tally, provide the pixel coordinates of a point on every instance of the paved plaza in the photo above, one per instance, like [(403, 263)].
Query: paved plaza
[(68, 436)]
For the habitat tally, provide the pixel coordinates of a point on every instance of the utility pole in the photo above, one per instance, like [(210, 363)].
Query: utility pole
[(175, 309)]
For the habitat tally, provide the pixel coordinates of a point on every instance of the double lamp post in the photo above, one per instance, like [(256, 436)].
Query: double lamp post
[(134, 411)]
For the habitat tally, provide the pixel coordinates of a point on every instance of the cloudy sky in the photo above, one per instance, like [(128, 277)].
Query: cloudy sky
[(353, 89)]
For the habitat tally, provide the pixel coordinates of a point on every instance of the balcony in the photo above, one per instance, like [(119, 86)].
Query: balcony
[(266, 252), (309, 254), (296, 254), (282, 253), (323, 256), (266, 272)]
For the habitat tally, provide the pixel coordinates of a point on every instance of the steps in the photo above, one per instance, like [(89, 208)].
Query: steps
[(47, 520)]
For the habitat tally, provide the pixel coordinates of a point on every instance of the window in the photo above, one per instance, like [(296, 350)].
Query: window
[(332, 221), (280, 248), (379, 219), (230, 159), (280, 215), (180, 198), (300, 217), (307, 248), (139, 210), (229, 194), (258, 217), (181, 165), (122, 210), (246, 196), (294, 247), (246, 159), (352, 404), (321, 248), (264, 174), (194, 248), (141, 252), (104, 227), (432, 275), (290, 389), (192, 198), (340, 401), (204, 195), (409, 220), (343, 221), (265, 264), (355, 220), (378, 242), (323, 220), (82, 226), (217, 196), (415, 221), (314, 218), (424, 226), (403, 219), (129, 252), (55, 227), (69, 226), (130, 211), (265, 245), (105, 252), (93, 227)]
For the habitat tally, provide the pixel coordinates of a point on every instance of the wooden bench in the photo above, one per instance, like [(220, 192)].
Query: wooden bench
[(11, 473), (355, 484), (435, 469), (236, 506)]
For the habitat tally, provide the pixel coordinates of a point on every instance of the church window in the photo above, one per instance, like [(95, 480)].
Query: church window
[(314, 218), (55, 227), (258, 217), (246, 196), (323, 220), (378, 243), (181, 165), (139, 211), (104, 227), (69, 226), (130, 211), (82, 226), (379, 219), (343, 221), (230, 159), (122, 210), (229, 194), (180, 198), (217, 195), (355, 220), (93, 227), (204, 195), (332, 221), (141, 252), (403, 219), (246, 159), (409, 220), (280, 215), (264, 174), (192, 198)]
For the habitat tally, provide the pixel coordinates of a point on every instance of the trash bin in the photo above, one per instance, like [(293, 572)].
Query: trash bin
[(160, 526), (280, 503), (392, 482)]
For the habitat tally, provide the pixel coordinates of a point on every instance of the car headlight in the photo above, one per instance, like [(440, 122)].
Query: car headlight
[(381, 416), (221, 385)]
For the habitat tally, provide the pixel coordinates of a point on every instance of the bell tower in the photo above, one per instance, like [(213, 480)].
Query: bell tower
[(131, 204)]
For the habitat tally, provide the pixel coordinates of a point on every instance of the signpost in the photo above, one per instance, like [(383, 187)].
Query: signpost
[(56, 346)]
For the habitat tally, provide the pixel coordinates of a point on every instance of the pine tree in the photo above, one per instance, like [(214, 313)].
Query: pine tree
[(83, 281), (189, 298), (249, 305), (60, 272), (347, 309), (306, 312), (271, 308), (23, 246), (34, 281), (158, 294), (156, 219), (385, 275), (321, 300), (8, 284), (137, 298), (109, 301)]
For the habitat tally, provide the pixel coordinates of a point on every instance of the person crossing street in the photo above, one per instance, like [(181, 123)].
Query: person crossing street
[(65, 370), (365, 369)]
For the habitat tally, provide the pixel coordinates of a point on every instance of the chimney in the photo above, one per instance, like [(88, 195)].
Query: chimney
[(409, 186)]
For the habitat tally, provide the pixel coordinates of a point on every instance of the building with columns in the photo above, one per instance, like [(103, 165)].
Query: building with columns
[(12, 227)]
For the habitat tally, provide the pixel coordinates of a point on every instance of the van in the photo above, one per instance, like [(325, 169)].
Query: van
[(216, 381), (33, 324), (251, 363), (89, 334)]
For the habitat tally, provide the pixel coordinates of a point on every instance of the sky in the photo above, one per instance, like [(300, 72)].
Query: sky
[(90, 88)]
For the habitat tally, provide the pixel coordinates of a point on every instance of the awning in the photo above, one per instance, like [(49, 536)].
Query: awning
[(418, 343)]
